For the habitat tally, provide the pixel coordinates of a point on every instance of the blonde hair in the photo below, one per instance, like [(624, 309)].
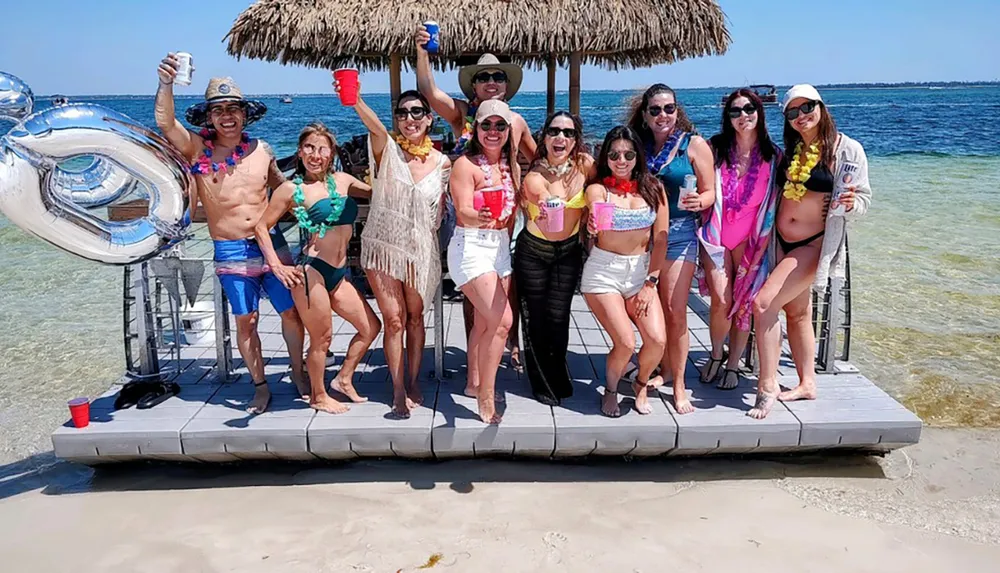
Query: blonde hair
[(315, 128)]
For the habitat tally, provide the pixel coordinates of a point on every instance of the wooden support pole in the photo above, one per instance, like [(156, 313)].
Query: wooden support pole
[(395, 81), (550, 95), (574, 82)]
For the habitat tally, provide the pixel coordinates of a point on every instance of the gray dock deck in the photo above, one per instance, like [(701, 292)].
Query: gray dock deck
[(207, 421)]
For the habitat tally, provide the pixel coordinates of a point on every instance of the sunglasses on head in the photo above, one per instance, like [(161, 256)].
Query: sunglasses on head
[(483, 77), (500, 126), (655, 110), (806, 108), (416, 112), (569, 132), (749, 109), (614, 155)]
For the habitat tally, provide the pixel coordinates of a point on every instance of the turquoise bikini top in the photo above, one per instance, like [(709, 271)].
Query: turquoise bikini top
[(326, 213), (630, 219)]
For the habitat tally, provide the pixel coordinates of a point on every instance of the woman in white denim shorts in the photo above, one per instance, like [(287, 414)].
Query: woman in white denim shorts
[(479, 251), (619, 283)]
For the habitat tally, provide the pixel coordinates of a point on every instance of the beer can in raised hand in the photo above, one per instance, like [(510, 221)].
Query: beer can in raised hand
[(185, 69), (434, 44)]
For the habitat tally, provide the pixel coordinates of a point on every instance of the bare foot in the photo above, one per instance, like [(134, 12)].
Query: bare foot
[(347, 389), (302, 386), (488, 413), (803, 391), (609, 404), (472, 390), (654, 382), (326, 403), (681, 402), (261, 398), (762, 407), (414, 397), (400, 406), (642, 404)]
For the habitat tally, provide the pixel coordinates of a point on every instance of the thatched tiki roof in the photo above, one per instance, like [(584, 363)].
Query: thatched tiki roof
[(378, 34)]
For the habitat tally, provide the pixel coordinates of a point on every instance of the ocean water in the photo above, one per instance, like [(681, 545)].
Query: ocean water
[(925, 260)]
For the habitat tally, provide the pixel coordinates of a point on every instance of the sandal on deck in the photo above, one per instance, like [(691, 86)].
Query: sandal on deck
[(730, 379), (712, 368), (253, 410)]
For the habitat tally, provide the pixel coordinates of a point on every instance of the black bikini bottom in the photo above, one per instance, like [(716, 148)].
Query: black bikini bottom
[(788, 247)]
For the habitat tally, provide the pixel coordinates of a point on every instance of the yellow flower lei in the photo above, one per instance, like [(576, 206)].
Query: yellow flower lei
[(421, 150), (798, 174)]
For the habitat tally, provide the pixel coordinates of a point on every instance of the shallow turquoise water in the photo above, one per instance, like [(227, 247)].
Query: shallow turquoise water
[(926, 259)]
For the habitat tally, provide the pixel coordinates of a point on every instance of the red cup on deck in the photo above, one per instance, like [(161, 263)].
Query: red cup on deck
[(348, 80), (493, 198), (79, 409)]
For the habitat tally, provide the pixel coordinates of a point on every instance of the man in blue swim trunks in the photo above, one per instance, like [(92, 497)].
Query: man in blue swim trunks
[(233, 174)]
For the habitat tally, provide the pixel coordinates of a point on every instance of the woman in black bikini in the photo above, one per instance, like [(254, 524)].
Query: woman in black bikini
[(323, 202), (807, 234)]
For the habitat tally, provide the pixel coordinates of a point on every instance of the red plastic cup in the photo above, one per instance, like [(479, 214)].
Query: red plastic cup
[(79, 409), (348, 80), (477, 200), (604, 215), (493, 198)]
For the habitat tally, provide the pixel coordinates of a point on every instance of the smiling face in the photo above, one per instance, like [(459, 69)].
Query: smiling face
[(661, 113), (316, 155), (227, 118), (805, 122), (490, 84), (558, 145), (493, 133), (746, 121), (619, 161), (413, 119)]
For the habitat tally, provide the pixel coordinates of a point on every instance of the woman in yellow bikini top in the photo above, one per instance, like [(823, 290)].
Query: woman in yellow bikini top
[(549, 257)]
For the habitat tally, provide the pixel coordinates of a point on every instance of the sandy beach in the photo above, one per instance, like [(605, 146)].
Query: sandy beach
[(930, 507)]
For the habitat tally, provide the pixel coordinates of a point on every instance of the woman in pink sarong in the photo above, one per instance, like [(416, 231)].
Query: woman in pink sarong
[(737, 231)]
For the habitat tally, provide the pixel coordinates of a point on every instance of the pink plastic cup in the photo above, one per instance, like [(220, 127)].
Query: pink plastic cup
[(348, 80), (493, 198), (604, 215), (553, 222), (79, 410)]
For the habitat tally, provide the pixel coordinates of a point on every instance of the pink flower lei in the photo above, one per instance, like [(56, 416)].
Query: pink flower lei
[(204, 164), (506, 181)]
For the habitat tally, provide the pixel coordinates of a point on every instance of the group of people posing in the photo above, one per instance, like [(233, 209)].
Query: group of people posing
[(658, 207)]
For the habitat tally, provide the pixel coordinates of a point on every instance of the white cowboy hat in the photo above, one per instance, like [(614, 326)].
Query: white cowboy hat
[(490, 62)]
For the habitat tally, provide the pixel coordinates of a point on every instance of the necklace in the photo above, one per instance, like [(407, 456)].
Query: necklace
[(302, 214), (620, 186), (559, 170), (421, 150), (733, 201), (655, 162), (204, 164), (506, 182), (799, 173)]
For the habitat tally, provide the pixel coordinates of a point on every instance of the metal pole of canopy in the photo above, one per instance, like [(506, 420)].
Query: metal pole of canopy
[(574, 82), (550, 95), (395, 82)]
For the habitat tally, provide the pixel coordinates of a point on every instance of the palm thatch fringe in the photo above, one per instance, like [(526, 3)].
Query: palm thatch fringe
[(365, 33)]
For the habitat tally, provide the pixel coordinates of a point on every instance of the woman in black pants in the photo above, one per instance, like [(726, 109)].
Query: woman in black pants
[(549, 257)]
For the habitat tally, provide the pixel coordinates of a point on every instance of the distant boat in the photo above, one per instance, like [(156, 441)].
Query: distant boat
[(60, 100), (286, 99), (767, 93)]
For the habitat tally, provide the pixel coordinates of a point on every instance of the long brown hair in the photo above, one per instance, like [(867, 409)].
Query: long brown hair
[(724, 141), (578, 147), (827, 137), (473, 149), (649, 187), (638, 107), (316, 128)]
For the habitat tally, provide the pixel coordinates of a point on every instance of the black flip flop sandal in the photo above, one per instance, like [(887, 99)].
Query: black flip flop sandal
[(160, 394)]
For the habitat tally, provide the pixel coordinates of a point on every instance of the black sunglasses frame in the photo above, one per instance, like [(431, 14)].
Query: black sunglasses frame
[(483, 77), (792, 113), (568, 132), (614, 155), (487, 125), (735, 112), (670, 109), (416, 113)]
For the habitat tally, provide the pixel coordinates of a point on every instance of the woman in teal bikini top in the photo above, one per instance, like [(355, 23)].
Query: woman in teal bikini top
[(329, 221)]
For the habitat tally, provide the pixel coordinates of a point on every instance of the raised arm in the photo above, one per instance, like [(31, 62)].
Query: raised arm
[(189, 144), (442, 103), (376, 129), (280, 201)]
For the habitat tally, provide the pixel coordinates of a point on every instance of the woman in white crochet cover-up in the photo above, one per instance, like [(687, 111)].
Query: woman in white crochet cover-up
[(399, 244)]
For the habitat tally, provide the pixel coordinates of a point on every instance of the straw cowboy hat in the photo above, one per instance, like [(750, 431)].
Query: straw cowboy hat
[(490, 62), (222, 90)]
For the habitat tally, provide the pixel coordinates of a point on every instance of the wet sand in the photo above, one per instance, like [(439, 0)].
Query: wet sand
[(931, 507)]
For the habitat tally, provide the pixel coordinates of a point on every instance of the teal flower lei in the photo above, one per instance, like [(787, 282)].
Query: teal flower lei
[(302, 214)]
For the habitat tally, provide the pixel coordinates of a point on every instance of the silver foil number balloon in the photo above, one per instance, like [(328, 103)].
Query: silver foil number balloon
[(16, 99), (42, 194)]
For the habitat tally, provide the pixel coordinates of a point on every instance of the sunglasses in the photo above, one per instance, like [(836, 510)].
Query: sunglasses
[(569, 132), (310, 149), (483, 77), (222, 110), (614, 155), (416, 112), (655, 110), (500, 126), (749, 109), (806, 108)]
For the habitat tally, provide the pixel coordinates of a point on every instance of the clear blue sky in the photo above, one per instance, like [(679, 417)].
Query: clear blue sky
[(113, 46)]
